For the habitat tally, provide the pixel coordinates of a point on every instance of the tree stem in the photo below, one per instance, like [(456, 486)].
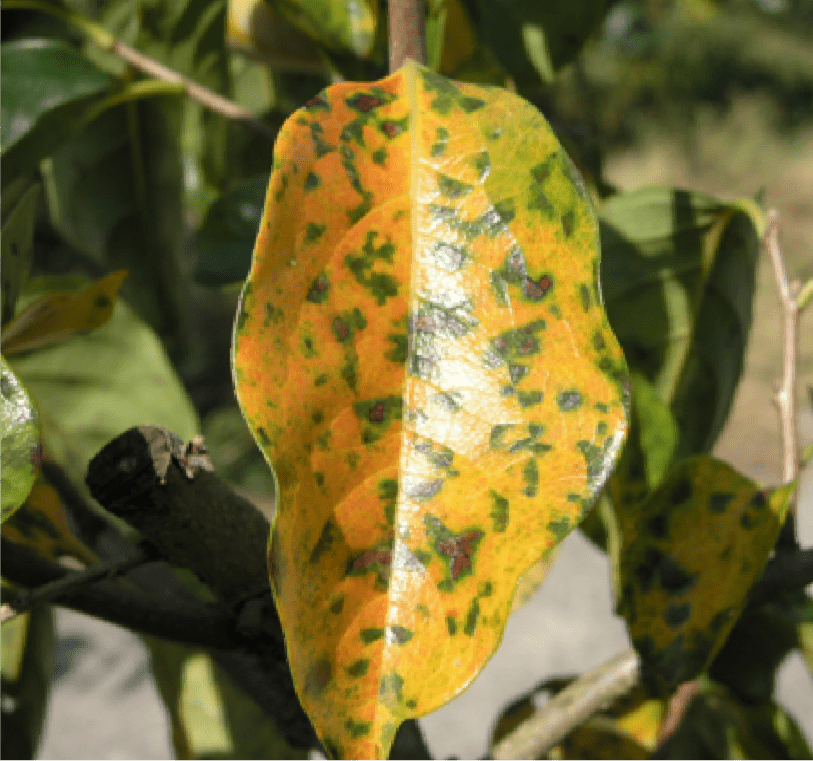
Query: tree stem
[(407, 39)]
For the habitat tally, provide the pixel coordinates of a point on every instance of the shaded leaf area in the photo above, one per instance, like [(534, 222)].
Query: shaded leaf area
[(628, 728), (47, 91), (21, 449), (16, 243), (63, 314), (689, 555), (41, 524), (761, 639), (97, 385), (115, 195), (226, 235), (532, 39), (717, 725), (28, 652), (422, 354), (688, 262)]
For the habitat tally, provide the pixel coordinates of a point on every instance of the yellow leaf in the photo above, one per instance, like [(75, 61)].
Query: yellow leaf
[(62, 314), (422, 354)]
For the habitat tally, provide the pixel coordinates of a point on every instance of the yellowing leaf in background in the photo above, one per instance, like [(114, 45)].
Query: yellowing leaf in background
[(422, 354)]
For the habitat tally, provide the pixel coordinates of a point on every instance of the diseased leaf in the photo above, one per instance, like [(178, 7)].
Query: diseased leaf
[(47, 89), (20, 450), (689, 556), (688, 262), (16, 240), (63, 314), (422, 354)]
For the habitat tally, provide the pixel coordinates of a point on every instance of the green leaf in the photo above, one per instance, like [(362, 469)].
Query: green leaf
[(97, 385), (210, 717), (717, 725), (678, 276), (533, 39), (28, 648), (342, 26), (21, 450), (17, 240), (690, 554), (47, 90), (115, 194), (226, 236)]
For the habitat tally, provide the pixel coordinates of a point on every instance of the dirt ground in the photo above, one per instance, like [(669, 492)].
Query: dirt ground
[(105, 706)]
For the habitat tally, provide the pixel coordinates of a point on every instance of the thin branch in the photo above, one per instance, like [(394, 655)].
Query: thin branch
[(104, 40), (407, 39), (199, 624), (678, 705), (575, 704), (71, 582), (785, 398)]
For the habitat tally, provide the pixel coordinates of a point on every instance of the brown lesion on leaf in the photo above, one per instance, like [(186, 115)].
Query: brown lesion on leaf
[(319, 676), (363, 102), (378, 560), (317, 103), (536, 290), (460, 549)]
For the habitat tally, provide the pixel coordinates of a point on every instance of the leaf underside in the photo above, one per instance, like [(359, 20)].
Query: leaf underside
[(422, 354)]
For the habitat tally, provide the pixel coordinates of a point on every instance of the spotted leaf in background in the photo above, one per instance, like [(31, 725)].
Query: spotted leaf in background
[(422, 354), (690, 554)]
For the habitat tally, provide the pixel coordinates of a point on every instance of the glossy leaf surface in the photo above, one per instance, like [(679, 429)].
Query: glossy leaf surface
[(689, 556), (63, 314), (422, 354), (47, 88), (21, 449)]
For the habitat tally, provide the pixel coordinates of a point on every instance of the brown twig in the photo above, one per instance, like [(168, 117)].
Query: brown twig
[(575, 704), (785, 394), (407, 39), (104, 40), (676, 710)]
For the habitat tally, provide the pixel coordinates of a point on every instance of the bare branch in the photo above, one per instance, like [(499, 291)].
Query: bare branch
[(575, 704), (785, 395)]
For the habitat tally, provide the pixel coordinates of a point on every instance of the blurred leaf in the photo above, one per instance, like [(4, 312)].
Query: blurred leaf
[(342, 26), (690, 554), (210, 717), (533, 39), (42, 525), (46, 91), (226, 237), (257, 28), (716, 726), (628, 728), (687, 262), (463, 55), (513, 391), (115, 194), (97, 385), (21, 450), (28, 648), (805, 634), (63, 314), (762, 637), (17, 240)]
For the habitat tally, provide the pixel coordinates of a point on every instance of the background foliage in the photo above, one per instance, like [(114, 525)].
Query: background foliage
[(106, 169)]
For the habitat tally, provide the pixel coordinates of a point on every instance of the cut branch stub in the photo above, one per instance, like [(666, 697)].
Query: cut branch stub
[(422, 354)]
